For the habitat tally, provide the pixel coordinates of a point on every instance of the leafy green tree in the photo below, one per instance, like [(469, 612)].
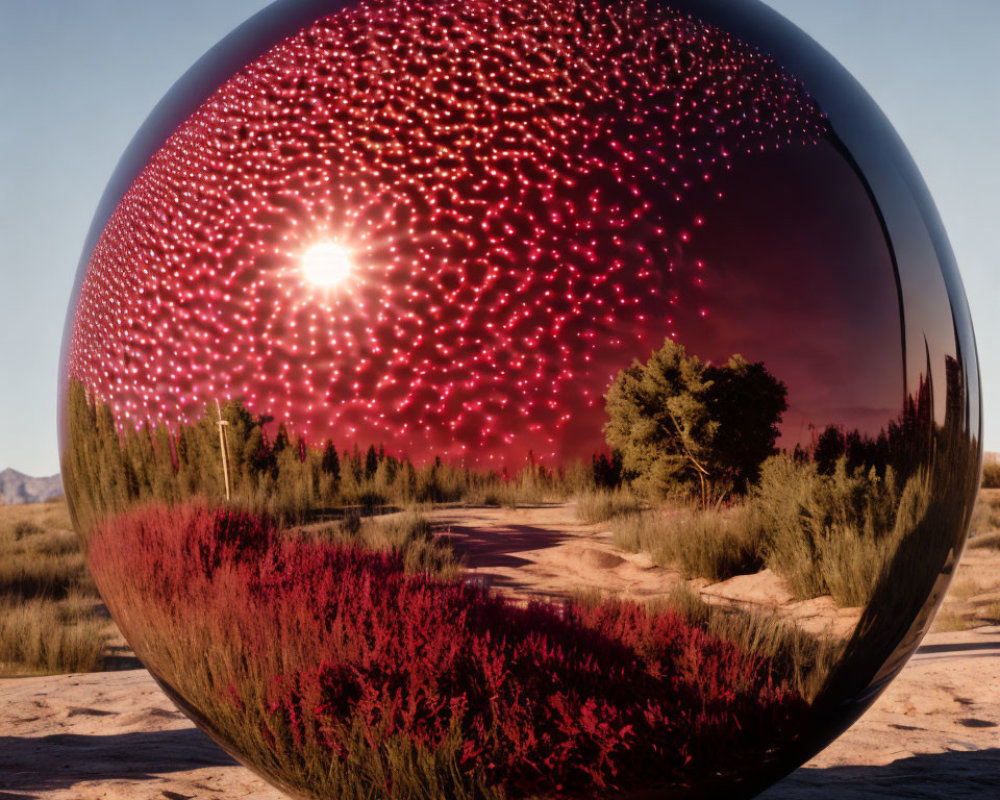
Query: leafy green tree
[(679, 423)]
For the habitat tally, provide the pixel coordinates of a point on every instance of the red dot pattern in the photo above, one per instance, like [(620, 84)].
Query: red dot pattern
[(510, 179)]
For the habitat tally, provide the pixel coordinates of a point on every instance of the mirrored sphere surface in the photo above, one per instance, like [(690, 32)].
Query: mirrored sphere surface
[(520, 400)]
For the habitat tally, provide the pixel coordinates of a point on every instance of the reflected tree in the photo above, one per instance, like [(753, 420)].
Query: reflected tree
[(680, 424)]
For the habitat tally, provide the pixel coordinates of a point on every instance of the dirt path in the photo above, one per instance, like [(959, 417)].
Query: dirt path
[(543, 552), (115, 736)]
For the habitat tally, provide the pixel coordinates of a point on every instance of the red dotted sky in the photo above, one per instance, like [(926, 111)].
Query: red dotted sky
[(442, 226)]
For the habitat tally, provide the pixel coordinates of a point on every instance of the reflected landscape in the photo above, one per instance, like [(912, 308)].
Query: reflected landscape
[(529, 402)]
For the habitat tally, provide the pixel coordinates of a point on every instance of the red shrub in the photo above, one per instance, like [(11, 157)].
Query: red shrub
[(321, 642)]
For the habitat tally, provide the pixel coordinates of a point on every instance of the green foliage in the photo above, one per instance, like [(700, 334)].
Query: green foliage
[(679, 423), (746, 402), (656, 417)]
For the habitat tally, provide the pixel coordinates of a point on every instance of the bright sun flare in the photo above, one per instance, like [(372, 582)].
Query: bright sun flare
[(326, 264)]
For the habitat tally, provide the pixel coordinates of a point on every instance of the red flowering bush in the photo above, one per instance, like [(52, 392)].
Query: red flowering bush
[(334, 671)]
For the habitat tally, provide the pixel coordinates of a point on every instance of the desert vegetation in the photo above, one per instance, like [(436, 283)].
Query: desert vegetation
[(601, 505), (714, 544), (332, 666), (408, 536), (985, 531), (108, 470), (798, 659), (828, 519), (824, 534), (693, 476), (991, 475), (51, 618)]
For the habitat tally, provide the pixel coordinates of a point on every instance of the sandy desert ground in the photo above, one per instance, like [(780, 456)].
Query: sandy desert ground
[(934, 734)]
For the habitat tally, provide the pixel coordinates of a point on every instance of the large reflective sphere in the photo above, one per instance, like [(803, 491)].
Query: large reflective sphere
[(520, 400)]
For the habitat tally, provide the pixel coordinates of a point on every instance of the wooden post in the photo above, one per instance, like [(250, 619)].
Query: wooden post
[(224, 447)]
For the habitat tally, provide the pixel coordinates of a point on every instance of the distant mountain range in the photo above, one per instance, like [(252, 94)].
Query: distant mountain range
[(16, 487)]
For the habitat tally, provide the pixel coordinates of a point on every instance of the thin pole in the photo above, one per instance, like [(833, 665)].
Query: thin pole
[(224, 447)]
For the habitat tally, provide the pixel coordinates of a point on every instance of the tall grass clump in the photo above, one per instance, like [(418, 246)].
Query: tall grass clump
[(49, 621), (43, 635), (408, 535), (340, 674), (827, 534), (502, 495), (934, 512), (798, 659), (601, 505), (716, 545), (991, 475), (985, 518)]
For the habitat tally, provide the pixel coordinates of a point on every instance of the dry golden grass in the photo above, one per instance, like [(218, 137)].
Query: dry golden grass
[(948, 620), (409, 534), (964, 589), (825, 535), (46, 636), (990, 613), (800, 660), (989, 540), (51, 619), (991, 475), (601, 505), (703, 544), (985, 527)]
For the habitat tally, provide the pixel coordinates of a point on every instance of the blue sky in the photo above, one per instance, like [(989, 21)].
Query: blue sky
[(78, 77)]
